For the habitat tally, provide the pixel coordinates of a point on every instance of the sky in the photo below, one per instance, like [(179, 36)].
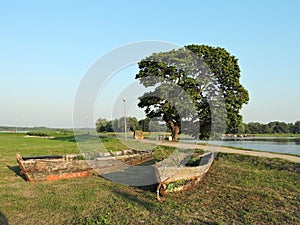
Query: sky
[(47, 47)]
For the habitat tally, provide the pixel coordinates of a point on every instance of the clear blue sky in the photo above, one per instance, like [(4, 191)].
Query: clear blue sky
[(47, 46)]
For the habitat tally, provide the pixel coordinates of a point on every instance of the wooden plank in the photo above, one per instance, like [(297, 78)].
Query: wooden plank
[(67, 175)]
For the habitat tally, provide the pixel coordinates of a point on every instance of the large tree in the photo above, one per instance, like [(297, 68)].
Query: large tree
[(188, 86), (296, 127)]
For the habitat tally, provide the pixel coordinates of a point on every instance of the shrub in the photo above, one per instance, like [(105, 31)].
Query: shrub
[(37, 133)]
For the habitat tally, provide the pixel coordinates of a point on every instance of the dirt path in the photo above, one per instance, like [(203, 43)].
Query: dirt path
[(227, 150)]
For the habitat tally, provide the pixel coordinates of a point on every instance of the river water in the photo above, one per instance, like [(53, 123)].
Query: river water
[(289, 145)]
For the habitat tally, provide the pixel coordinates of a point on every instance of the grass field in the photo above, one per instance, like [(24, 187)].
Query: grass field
[(237, 190)]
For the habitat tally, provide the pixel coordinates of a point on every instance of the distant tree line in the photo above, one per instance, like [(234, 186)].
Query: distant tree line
[(146, 125), (132, 124), (275, 127), (41, 128)]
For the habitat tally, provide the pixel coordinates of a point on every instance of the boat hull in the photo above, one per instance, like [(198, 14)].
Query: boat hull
[(182, 177), (43, 168)]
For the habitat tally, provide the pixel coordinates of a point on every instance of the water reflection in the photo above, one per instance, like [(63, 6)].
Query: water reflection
[(289, 145)]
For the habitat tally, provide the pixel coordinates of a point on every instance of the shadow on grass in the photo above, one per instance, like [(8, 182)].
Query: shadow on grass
[(69, 138), (3, 220), (208, 223), (80, 138), (151, 205), (17, 172), (134, 199)]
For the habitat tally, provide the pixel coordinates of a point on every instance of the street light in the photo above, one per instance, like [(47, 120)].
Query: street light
[(17, 125), (125, 128), (86, 125)]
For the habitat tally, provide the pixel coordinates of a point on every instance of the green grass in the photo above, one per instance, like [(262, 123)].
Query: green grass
[(237, 190)]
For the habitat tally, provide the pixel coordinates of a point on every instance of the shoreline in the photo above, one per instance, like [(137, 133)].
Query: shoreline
[(212, 148)]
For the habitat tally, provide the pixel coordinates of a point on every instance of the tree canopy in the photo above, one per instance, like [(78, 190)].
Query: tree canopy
[(189, 86), (133, 124), (275, 127)]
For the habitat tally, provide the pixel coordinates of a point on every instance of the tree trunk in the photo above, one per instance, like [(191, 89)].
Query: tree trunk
[(175, 130)]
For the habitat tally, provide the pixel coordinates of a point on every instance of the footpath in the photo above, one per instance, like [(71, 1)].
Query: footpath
[(225, 150)]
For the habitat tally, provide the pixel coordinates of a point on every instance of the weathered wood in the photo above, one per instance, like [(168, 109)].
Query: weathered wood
[(43, 157), (105, 165), (187, 176), (61, 167)]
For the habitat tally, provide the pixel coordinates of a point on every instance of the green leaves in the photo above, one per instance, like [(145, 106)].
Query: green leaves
[(191, 84)]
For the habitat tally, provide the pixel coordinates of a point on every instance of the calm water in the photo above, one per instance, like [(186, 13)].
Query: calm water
[(281, 145)]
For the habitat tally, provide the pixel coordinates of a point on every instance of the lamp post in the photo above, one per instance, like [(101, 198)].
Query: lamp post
[(125, 127), (86, 125), (17, 125)]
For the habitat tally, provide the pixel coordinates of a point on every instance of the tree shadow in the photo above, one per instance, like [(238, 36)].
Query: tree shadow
[(150, 188), (79, 138), (3, 220), (208, 222), (69, 138), (17, 171)]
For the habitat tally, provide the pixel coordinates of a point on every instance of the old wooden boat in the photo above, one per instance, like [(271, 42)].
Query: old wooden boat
[(173, 177), (41, 168)]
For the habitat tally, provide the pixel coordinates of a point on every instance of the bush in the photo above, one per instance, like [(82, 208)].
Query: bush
[(37, 133)]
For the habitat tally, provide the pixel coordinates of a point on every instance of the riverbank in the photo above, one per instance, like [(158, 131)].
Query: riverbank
[(291, 158), (262, 135)]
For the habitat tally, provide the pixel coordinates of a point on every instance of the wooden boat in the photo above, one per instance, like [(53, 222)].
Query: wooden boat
[(41, 168), (172, 174), (174, 177)]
